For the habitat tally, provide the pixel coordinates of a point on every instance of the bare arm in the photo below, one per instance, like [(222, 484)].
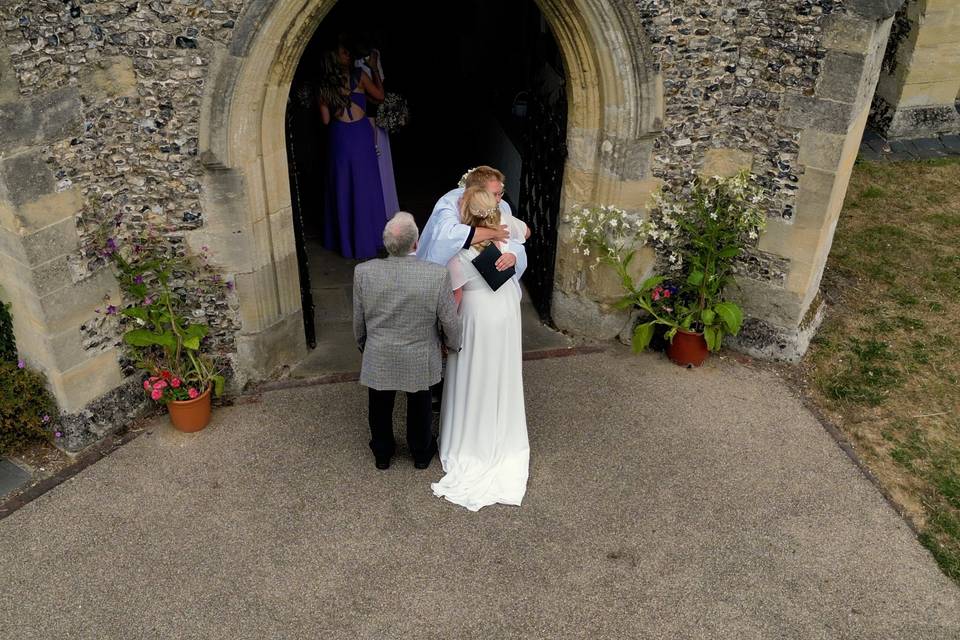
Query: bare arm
[(374, 63), (374, 89), (482, 234), (450, 326)]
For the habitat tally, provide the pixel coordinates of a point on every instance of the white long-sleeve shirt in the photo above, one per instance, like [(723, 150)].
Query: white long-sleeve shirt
[(444, 235)]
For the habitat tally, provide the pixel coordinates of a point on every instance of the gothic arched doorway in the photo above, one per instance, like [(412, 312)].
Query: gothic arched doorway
[(614, 104), (476, 101)]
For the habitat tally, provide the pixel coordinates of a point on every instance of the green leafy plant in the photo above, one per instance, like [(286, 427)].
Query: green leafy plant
[(698, 235), (611, 236), (27, 411), (163, 342), (8, 344)]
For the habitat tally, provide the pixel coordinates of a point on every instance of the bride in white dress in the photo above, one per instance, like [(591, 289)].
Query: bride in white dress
[(483, 426)]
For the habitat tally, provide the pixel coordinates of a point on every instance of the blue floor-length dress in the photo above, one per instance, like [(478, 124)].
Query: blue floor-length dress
[(354, 210)]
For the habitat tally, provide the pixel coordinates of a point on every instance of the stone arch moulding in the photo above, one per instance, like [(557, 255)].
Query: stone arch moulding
[(615, 111)]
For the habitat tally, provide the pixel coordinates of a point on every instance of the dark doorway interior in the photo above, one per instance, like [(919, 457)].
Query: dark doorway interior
[(473, 73)]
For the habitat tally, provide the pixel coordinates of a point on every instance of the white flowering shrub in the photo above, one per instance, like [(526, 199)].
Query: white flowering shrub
[(607, 234), (698, 236), (713, 222)]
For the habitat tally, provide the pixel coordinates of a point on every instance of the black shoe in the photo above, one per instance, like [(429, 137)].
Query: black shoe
[(383, 465), (423, 464)]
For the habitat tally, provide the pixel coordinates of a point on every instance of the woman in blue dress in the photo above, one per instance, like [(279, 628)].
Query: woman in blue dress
[(354, 210)]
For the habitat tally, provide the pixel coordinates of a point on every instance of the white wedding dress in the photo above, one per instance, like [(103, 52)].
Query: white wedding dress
[(483, 425)]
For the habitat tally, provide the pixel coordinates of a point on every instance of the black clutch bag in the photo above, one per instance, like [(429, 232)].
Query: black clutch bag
[(486, 264)]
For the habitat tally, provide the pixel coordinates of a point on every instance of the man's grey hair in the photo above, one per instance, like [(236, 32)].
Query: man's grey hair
[(401, 234)]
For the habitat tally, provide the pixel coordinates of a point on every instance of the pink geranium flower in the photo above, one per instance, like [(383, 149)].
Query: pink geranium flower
[(175, 383), (146, 385), (157, 393), (193, 393)]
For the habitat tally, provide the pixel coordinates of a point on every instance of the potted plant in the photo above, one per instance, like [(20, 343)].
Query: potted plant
[(163, 341), (698, 235)]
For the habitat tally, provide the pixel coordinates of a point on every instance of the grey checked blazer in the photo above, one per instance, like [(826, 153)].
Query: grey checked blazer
[(402, 309)]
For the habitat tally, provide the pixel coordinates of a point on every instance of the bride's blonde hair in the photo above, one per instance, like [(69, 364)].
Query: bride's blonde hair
[(479, 208)]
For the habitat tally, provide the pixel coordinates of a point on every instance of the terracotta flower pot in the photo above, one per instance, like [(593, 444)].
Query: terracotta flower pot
[(688, 349), (190, 415)]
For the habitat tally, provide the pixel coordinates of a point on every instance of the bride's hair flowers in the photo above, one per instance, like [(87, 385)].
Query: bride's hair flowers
[(463, 179)]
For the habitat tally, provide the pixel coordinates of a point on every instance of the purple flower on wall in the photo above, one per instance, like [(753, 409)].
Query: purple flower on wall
[(58, 434), (111, 247), (111, 310), (138, 279), (21, 364)]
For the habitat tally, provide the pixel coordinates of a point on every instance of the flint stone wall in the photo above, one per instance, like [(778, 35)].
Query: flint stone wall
[(781, 88), (100, 113)]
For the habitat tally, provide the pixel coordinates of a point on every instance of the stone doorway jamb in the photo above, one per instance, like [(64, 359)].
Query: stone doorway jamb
[(615, 111)]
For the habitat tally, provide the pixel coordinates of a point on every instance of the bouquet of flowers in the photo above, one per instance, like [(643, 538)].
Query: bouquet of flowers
[(393, 113)]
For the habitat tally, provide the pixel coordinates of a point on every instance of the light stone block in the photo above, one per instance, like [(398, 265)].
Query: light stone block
[(584, 317), (578, 187), (789, 241), (725, 162), (43, 279), (934, 63), (820, 150), (25, 176), (940, 25), (49, 209), (262, 242), (775, 305), (111, 78), (75, 304), (582, 149), (9, 86), (283, 343), (85, 382), (814, 198), (282, 234), (288, 281), (259, 307), (277, 179), (930, 93), (843, 32), (635, 195), (58, 352)]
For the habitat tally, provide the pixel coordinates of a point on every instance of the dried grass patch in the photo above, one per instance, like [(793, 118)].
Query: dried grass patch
[(886, 365)]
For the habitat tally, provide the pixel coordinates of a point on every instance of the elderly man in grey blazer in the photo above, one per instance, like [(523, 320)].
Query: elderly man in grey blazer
[(403, 311)]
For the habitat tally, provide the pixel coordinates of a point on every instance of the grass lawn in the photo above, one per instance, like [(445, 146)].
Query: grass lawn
[(885, 366)]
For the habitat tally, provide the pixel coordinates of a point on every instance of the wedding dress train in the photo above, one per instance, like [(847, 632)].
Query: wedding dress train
[(483, 428)]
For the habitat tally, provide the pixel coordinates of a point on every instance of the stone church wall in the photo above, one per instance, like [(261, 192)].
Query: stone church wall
[(782, 88), (99, 122), (917, 96), (101, 109)]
